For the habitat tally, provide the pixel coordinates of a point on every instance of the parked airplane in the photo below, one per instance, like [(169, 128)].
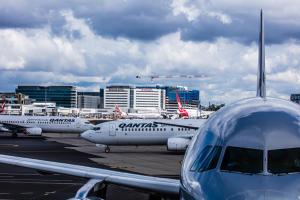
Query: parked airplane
[(35, 125), (191, 113), (144, 115), (247, 150), (175, 134), (2, 109)]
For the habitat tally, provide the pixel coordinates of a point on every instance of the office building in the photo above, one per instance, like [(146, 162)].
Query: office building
[(88, 99), (148, 97), (189, 98), (63, 96), (130, 98), (117, 95)]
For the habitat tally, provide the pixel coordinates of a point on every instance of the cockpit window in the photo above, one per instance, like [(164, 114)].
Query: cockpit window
[(208, 159), (244, 160), (97, 128), (284, 161)]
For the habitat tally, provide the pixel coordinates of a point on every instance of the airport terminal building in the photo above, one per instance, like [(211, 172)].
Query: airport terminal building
[(88, 100), (63, 96), (134, 98)]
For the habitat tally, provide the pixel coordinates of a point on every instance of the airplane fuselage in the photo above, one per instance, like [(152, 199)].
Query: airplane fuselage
[(136, 132), (48, 123)]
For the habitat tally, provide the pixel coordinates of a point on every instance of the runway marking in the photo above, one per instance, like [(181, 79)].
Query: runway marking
[(9, 145), (22, 174), (27, 193), (4, 193), (6, 176), (47, 193), (28, 179), (45, 183)]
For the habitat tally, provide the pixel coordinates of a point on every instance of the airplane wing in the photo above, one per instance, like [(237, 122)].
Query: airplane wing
[(13, 127), (153, 184), (182, 125)]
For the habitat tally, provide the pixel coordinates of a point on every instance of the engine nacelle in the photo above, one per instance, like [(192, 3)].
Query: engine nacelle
[(178, 144), (33, 131)]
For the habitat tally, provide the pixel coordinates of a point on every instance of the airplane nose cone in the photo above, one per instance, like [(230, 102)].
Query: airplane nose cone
[(86, 134)]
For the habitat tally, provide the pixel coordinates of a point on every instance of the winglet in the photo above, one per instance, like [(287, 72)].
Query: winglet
[(261, 77)]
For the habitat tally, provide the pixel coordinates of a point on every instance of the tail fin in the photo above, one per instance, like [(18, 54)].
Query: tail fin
[(178, 101), (3, 105), (117, 109), (183, 113), (261, 77)]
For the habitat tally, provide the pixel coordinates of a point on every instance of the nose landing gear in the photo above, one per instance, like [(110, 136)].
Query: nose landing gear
[(107, 149)]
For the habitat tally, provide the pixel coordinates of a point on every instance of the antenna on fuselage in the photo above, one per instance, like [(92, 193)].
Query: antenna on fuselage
[(261, 77)]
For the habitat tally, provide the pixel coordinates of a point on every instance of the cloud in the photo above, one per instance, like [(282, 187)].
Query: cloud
[(197, 20), (81, 55)]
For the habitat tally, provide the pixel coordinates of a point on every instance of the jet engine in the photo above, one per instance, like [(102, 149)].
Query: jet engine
[(177, 144), (33, 131)]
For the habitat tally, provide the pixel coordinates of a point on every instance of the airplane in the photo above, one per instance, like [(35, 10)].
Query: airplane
[(190, 113), (249, 149), (144, 115), (175, 134), (2, 105), (36, 125)]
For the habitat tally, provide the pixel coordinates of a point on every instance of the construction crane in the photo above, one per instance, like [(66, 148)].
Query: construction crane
[(152, 77)]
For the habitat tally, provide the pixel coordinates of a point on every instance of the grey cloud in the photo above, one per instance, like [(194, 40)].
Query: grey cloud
[(146, 20)]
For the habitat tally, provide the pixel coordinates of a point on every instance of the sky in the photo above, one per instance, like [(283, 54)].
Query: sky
[(93, 43)]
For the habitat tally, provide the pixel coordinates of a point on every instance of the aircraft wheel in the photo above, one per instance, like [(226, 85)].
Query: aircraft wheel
[(107, 149)]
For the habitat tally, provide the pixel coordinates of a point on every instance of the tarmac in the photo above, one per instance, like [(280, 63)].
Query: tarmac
[(24, 183)]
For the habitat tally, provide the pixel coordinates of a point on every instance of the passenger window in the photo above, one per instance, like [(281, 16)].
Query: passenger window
[(146, 129), (171, 129), (208, 159), (178, 129), (244, 160), (160, 129), (164, 129), (284, 161)]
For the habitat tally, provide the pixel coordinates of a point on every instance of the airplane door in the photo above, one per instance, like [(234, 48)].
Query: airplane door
[(112, 130), (78, 125)]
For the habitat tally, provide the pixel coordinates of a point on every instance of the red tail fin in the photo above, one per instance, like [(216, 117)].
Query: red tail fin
[(178, 101), (118, 110), (183, 113)]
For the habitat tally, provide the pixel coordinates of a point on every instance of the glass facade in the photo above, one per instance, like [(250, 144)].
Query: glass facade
[(295, 98), (186, 96), (63, 96)]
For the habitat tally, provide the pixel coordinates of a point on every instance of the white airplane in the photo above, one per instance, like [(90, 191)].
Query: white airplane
[(247, 150), (144, 115), (175, 134), (191, 113), (35, 125)]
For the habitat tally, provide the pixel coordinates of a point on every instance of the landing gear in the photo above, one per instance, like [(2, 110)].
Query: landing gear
[(107, 149)]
